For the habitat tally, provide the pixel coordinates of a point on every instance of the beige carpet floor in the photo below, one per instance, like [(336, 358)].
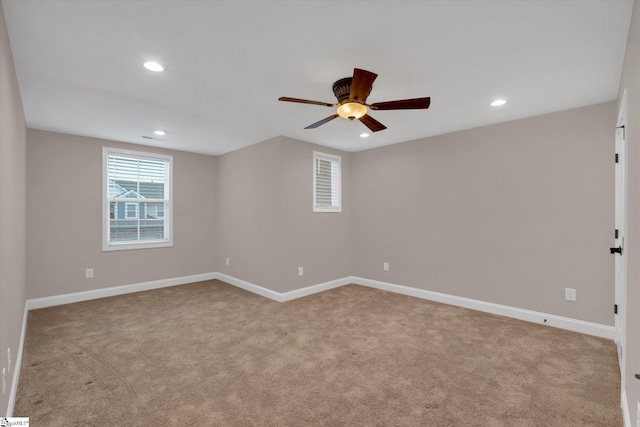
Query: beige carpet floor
[(209, 354)]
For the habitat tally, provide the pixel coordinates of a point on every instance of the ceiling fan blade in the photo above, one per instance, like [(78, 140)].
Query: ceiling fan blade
[(372, 123), (321, 122), (361, 84), (305, 101), (404, 104)]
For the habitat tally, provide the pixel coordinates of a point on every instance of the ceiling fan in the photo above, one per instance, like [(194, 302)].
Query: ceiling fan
[(352, 93)]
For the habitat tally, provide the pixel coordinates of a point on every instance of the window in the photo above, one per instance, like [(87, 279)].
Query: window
[(137, 198), (131, 210), (326, 183)]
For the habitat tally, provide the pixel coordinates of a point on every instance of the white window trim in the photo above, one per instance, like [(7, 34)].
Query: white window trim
[(168, 214), (338, 209)]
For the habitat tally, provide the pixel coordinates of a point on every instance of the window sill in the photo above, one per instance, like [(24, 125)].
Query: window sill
[(131, 246), (325, 210)]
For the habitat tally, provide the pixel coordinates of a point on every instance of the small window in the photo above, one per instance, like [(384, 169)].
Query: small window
[(326, 183), (136, 200), (131, 210)]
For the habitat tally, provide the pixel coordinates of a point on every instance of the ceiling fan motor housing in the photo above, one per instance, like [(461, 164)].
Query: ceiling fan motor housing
[(342, 90)]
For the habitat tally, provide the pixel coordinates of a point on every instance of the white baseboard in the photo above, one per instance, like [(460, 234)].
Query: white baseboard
[(283, 296), (36, 303), (624, 404), (248, 286), (488, 307), (310, 290), (567, 323), (17, 365), (575, 325)]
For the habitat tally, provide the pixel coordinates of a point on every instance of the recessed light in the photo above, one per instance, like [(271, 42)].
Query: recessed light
[(364, 135), (159, 132), (153, 66), (498, 102)]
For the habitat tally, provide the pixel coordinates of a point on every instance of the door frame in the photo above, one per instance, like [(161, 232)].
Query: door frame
[(621, 221)]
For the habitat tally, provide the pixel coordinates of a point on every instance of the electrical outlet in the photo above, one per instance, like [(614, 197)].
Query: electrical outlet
[(300, 271), (569, 294), (88, 273), (9, 359), (385, 266), (227, 262), (4, 380)]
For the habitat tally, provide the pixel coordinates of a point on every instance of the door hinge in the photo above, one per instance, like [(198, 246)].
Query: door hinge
[(615, 308), (624, 131), (617, 158), (616, 233)]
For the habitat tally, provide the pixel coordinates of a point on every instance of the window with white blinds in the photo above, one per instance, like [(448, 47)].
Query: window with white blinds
[(326, 183), (137, 198)]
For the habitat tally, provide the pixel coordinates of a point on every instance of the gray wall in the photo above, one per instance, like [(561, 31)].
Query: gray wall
[(511, 213), (249, 213), (64, 201), (12, 209), (266, 225), (630, 73), (318, 241)]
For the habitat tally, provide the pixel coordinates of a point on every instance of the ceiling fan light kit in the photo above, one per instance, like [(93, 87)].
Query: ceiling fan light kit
[(352, 110), (352, 94)]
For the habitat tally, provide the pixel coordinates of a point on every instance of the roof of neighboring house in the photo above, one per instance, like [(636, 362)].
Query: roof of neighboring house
[(115, 190), (135, 190)]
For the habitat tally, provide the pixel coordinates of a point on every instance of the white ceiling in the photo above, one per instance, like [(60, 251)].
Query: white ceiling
[(79, 65)]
